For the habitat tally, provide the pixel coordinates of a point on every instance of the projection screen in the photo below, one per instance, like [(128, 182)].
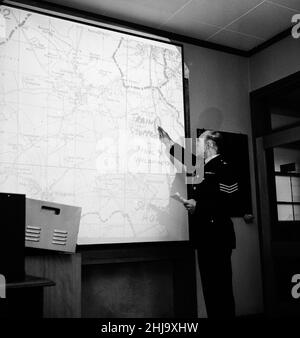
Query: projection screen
[(79, 110)]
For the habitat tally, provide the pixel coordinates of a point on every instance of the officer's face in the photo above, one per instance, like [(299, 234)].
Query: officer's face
[(202, 145)]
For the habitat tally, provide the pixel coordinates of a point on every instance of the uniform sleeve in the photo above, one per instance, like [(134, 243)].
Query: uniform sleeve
[(184, 156), (218, 192)]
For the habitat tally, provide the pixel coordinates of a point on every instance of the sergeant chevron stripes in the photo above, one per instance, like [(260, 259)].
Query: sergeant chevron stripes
[(229, 189)]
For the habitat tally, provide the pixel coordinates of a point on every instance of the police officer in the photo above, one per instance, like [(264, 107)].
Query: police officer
[(212, 232)]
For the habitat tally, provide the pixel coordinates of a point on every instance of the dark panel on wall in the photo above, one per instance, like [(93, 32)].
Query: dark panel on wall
[(128, 290)]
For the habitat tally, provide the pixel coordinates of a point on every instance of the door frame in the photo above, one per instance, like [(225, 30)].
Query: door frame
[(264, 139)]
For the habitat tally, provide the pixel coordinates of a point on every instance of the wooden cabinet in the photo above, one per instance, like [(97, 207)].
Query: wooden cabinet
[(150, 280)]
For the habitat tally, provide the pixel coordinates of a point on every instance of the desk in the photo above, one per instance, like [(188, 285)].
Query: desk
[(24, 299)]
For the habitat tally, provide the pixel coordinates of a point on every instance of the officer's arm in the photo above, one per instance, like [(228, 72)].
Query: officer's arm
[(181, 154), (184, 156)]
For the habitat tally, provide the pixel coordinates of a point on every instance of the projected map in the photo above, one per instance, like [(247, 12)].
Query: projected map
[(79, 110)]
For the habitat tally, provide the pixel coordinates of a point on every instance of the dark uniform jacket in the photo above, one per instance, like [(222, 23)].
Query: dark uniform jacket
[(211, 225)]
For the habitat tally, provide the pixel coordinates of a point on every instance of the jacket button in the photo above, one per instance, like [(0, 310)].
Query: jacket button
[(194, 188)]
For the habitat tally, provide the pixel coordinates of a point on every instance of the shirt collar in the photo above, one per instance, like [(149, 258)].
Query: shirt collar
[(210, 158)]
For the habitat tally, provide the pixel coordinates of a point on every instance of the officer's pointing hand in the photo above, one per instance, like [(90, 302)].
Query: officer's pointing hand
[(190, 205), (164, 137)]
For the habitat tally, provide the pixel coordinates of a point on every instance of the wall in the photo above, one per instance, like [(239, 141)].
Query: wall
[(275, 62), (219, 99)]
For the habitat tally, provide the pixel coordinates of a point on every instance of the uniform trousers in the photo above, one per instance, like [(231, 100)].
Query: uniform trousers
[(216, 277)]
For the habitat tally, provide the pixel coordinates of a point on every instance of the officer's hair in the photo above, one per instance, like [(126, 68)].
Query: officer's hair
[(217, 139)]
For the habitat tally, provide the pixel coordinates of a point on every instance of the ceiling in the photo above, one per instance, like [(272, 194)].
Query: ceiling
[(240, 24)]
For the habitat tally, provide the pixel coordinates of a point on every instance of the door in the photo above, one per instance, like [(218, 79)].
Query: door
[(278, 173)]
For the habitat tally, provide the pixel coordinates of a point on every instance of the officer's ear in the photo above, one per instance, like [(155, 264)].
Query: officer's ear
[(210, 143)]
